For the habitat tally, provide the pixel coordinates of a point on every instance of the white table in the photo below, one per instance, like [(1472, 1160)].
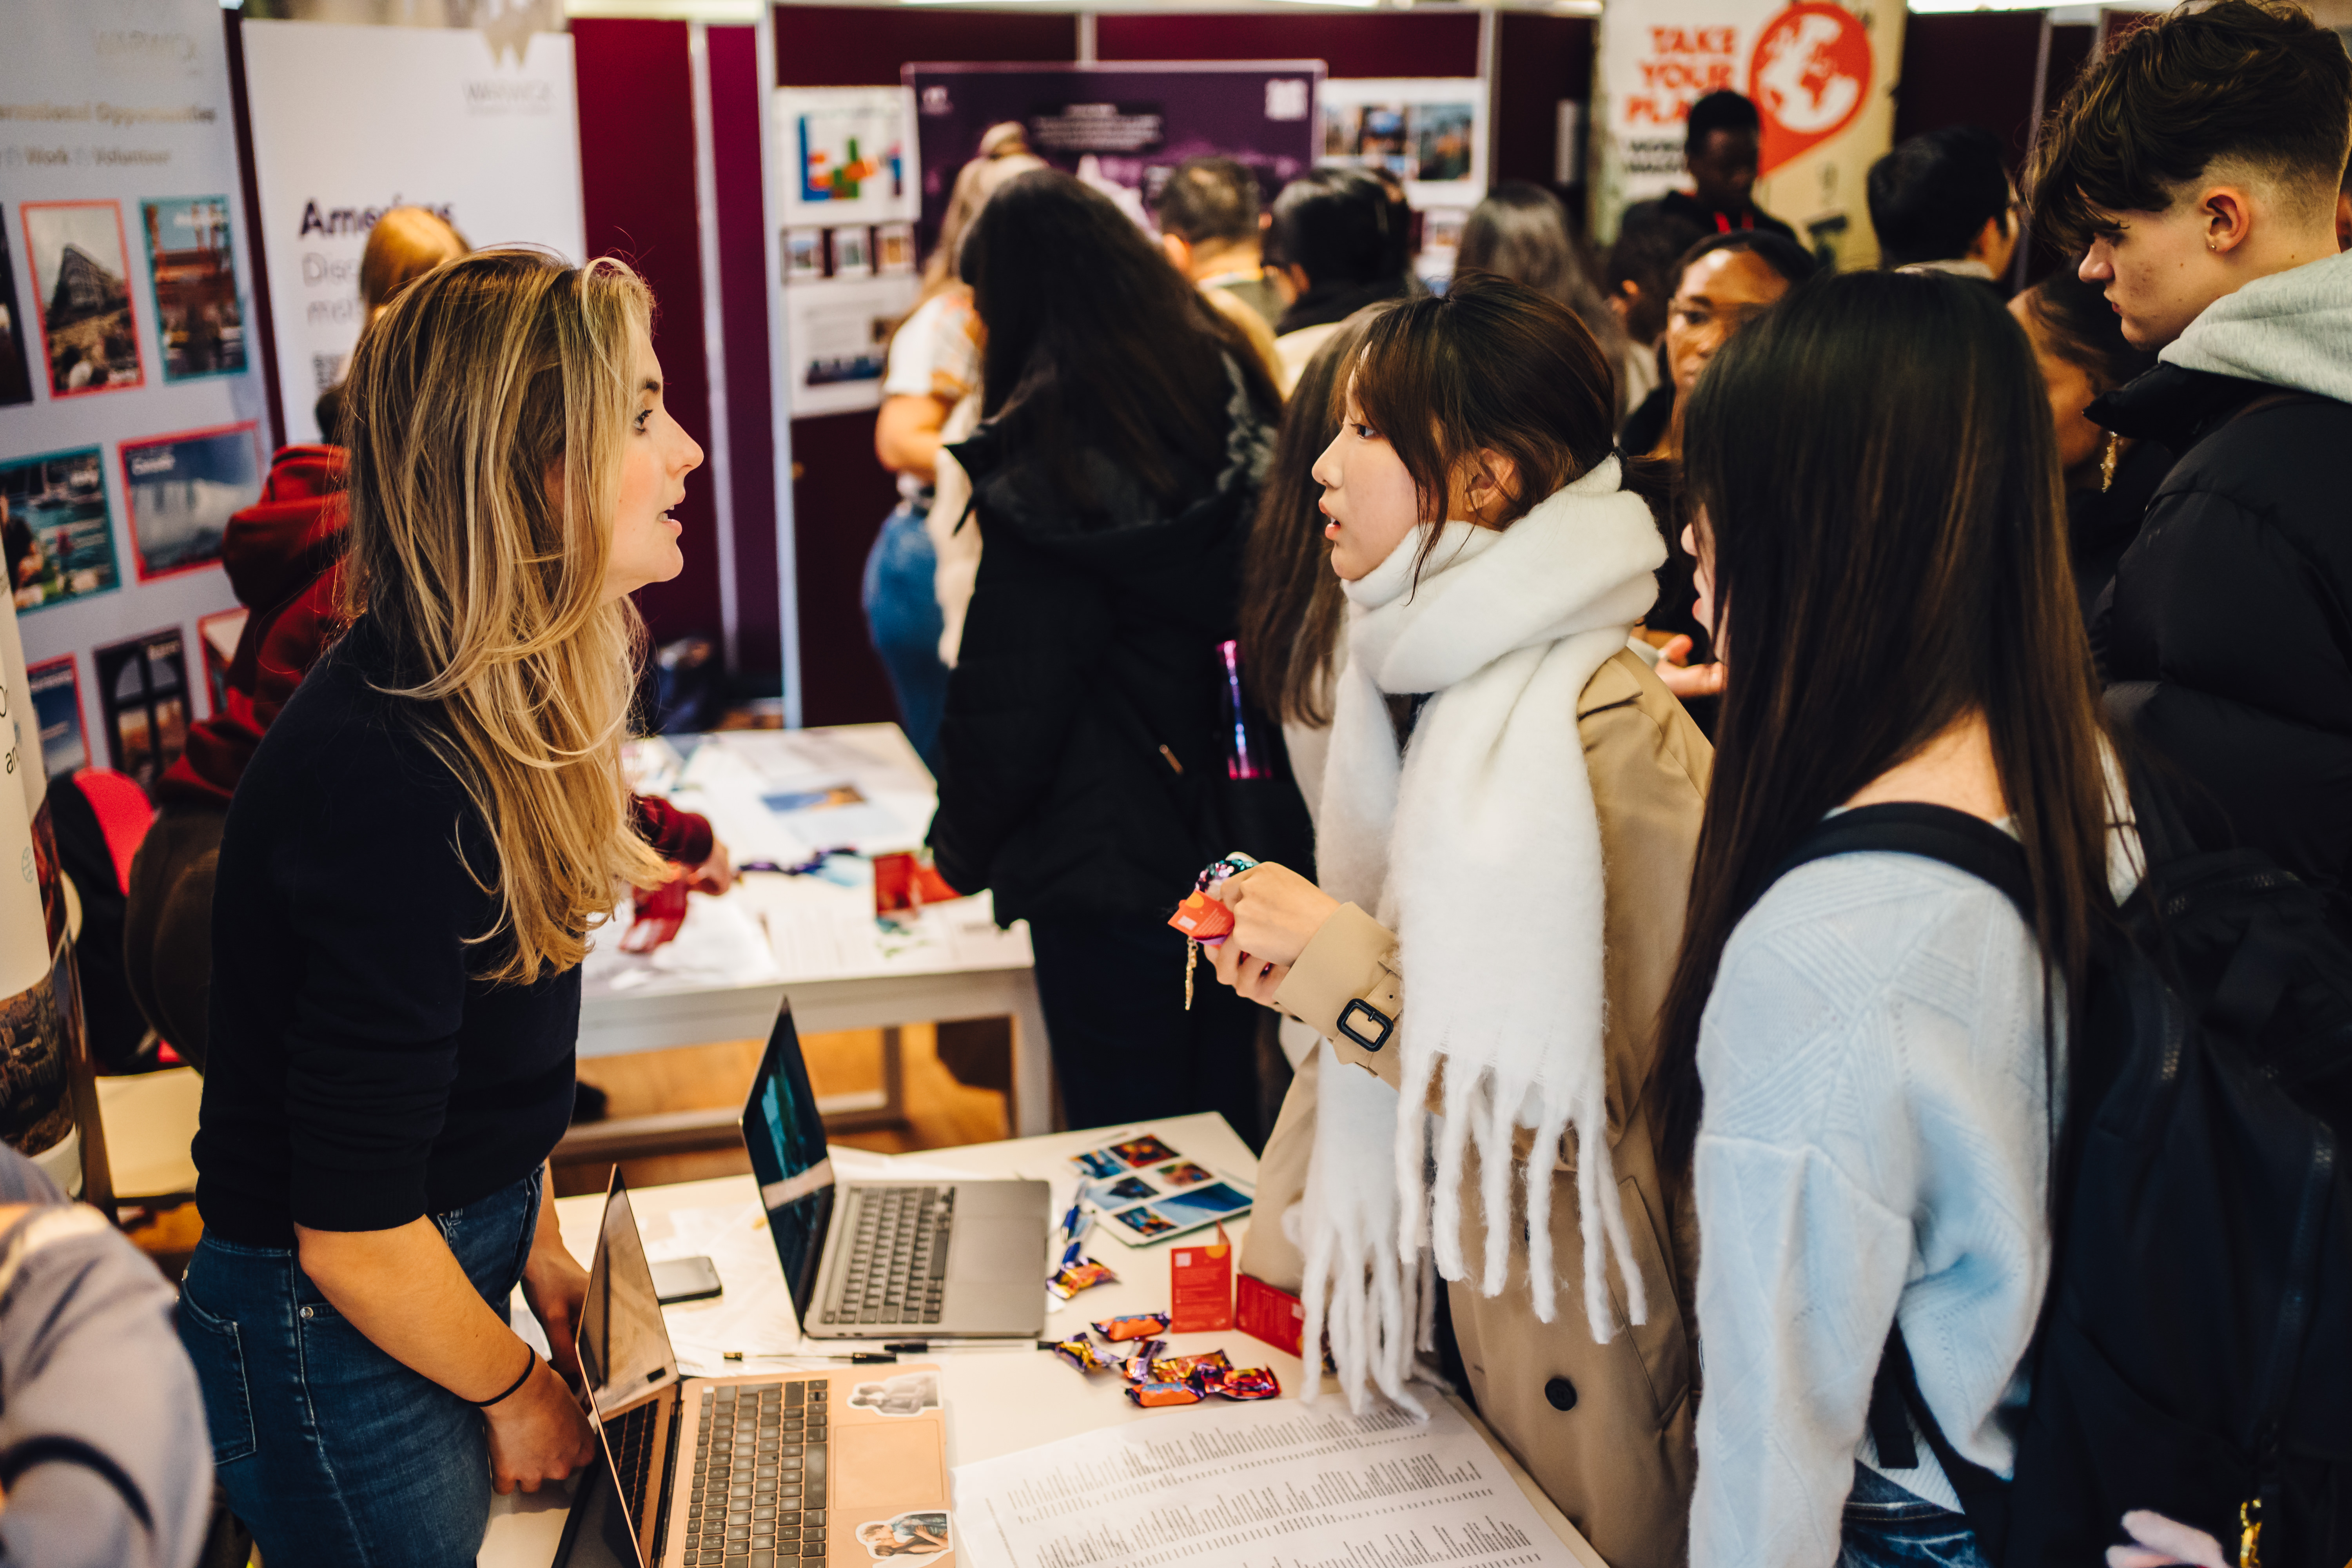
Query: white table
[(997, 1399), (805, 937)]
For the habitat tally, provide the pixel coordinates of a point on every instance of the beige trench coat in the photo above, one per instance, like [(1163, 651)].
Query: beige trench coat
[(1606, 1430)]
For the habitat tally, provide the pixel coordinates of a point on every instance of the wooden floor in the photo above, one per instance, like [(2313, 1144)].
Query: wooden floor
[(941, 1113)]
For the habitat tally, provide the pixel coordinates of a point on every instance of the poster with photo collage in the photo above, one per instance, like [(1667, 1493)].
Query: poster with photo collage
[(850, 198), (135, 420)]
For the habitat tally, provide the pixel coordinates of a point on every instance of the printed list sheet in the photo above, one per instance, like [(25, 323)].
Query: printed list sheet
[(1277, 1485)]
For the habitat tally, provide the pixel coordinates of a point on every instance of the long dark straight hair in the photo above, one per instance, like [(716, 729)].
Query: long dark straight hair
[(1875, 463), (1291, 602), (1095, 342), (1494, 366)]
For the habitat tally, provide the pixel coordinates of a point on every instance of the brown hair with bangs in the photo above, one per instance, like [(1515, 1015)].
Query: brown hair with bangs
[(1491, 365), (2256, 82)]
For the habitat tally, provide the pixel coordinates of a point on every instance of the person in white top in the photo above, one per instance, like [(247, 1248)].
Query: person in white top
[(1860, 1066)]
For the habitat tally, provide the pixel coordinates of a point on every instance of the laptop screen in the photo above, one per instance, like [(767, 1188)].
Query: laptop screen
[(785, 1135), (624, 1346)]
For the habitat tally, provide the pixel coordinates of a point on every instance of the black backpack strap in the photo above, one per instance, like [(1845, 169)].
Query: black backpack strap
[(1966, 843), (1972, 845), (1984, 1496)]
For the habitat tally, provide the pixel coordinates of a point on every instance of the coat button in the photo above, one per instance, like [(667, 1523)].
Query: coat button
[(1561, 1393)]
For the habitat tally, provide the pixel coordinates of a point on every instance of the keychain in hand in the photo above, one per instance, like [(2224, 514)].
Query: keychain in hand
[(1204, 921)]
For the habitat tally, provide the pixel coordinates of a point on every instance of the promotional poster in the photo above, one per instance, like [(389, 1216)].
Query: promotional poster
[(482, 131), (1823, 77), (1121, 128), (126, 293)]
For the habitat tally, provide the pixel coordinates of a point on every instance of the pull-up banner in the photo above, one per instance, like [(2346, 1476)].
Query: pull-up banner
[(1823, 77), (479, 124)]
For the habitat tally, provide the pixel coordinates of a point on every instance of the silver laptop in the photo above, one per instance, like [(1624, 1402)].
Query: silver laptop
[(869, 1261), (785, 1470)]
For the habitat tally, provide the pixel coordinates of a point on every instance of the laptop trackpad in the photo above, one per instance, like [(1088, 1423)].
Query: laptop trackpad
[(997, 1251)]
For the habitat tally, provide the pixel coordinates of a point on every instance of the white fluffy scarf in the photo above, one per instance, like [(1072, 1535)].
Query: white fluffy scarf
[(1480, 847)]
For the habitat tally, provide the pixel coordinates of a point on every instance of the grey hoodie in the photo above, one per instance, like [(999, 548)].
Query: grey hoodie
[(2292, 328)]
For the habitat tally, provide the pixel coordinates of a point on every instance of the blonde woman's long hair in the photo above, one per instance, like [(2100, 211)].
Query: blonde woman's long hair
[(489, 406)]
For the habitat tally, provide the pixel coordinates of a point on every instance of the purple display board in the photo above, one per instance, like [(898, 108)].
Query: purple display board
[(1121, 128)]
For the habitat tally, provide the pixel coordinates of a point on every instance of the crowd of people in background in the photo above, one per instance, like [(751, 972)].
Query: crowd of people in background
[(1770, 717), (1584, 592)]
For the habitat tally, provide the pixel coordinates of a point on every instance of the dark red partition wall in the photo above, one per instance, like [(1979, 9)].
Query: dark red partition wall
[(863, 46), (1539, 60), (637, 177), (840, 493), (1977, 68), (1970, 69), (736, 154), (840, 496), (1384, 43)]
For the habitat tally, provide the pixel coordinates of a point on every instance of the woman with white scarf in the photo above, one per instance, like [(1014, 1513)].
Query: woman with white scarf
[(1509, 819)]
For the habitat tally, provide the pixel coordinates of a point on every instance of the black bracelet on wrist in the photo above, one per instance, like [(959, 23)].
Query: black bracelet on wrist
[(530, 1366)]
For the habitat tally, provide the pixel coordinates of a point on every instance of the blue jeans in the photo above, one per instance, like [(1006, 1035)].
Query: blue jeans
[(902, 615), (1888, 1527), (330, 1451)]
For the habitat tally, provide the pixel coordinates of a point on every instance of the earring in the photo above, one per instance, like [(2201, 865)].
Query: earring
[(2107, 463)]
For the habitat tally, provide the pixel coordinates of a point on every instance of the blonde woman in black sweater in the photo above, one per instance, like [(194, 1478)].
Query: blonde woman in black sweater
[(412, 866)]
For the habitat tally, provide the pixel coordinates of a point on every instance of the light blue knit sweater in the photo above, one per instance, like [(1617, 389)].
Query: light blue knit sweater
[(1874, 1144)]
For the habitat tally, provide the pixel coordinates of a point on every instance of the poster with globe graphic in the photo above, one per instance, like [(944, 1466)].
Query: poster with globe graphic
[(1822, 76)]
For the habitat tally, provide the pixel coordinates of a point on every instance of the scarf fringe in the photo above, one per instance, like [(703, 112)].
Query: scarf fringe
[(1501, 625)]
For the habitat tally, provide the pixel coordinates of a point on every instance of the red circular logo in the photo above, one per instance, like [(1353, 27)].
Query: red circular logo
[(1810, 76)]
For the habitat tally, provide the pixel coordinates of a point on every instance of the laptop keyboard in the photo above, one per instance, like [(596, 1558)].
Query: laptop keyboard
[(759, 1477), (631, 1437), (895, 1257)]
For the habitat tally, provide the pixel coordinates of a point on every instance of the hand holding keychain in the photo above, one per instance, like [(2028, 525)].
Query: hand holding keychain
[(1201, 917)]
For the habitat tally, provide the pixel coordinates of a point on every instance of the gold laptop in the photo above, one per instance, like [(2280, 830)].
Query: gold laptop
[(785, 1470)]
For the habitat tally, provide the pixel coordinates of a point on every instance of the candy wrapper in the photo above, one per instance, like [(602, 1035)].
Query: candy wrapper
[(1135, 1326), (1141, 1363), (1155, 1395), (1180, 1368), (1080, 1352), (1074, 1276), (1239, 1382)]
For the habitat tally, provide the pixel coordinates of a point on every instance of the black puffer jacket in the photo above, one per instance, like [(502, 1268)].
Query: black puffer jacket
[(1083, 753), (2228, 640)]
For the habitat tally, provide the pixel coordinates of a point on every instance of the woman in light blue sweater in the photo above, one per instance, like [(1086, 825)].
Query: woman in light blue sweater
[(1861, 1063)]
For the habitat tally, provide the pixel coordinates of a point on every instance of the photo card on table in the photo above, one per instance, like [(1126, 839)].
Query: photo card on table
[(81, 275)]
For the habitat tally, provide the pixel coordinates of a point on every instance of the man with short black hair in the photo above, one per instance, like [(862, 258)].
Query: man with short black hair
[(1942, 202), (1722, 143), (1208, 214), (2196, 170)]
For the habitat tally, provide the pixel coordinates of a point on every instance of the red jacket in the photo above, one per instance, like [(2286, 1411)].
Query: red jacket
[(284, 555)]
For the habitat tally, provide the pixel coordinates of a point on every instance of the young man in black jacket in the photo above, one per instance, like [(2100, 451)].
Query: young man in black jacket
[(2197, 169)]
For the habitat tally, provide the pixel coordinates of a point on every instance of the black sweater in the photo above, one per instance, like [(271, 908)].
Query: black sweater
[(359, 1076)]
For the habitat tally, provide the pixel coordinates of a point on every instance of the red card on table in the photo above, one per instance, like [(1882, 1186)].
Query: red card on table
[(1275, 1316), (903, 882), (1200, 1288)]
